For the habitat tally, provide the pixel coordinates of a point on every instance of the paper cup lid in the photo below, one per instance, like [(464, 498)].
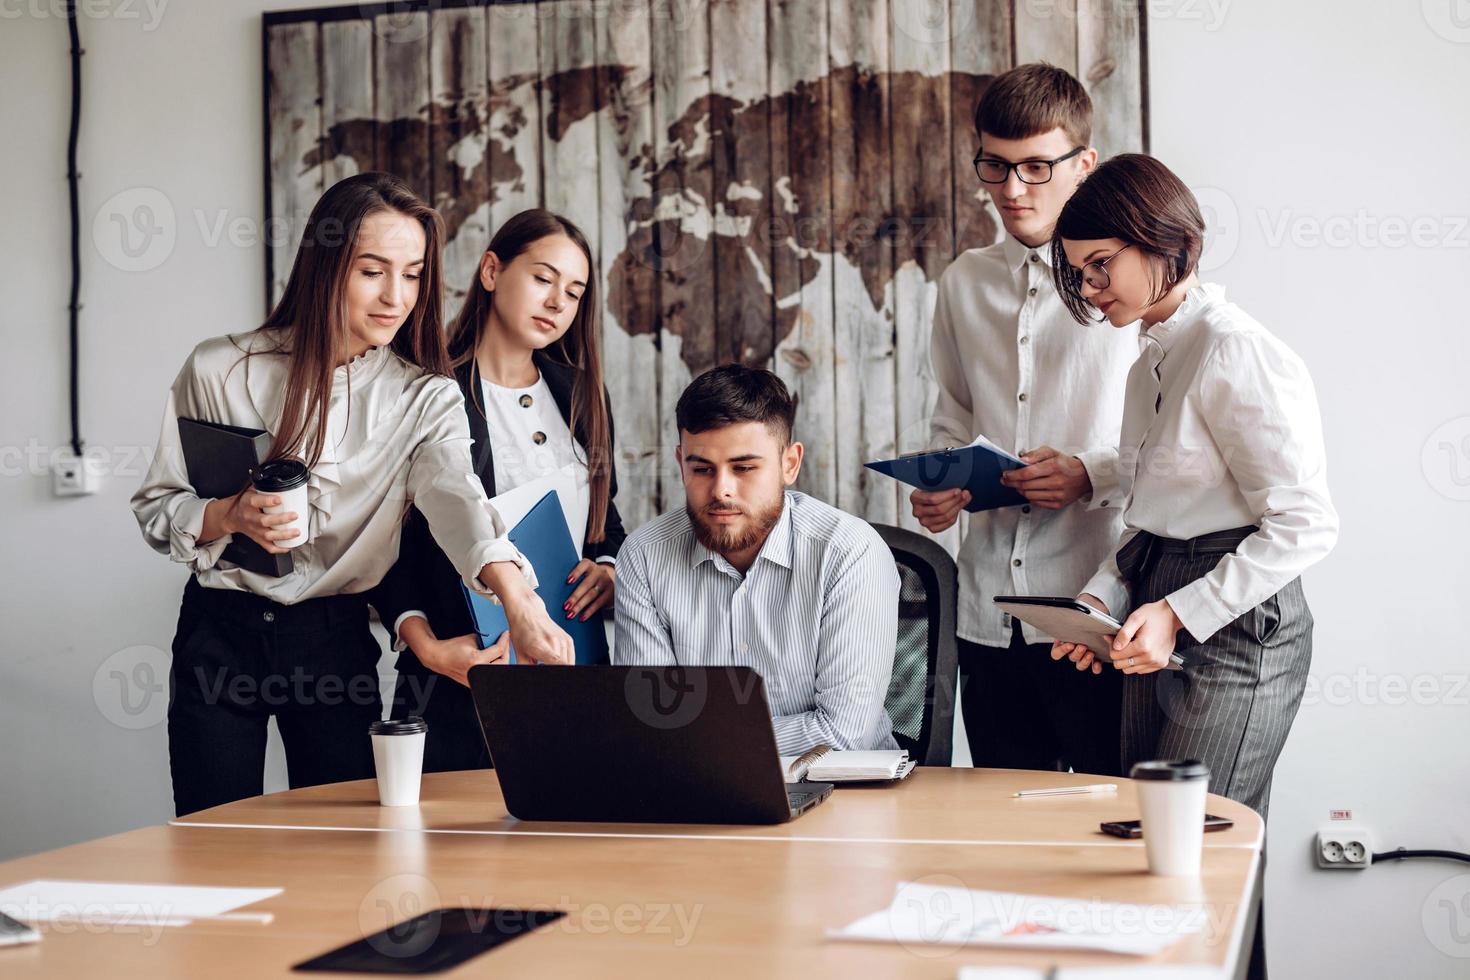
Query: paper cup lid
[(411, 725), (1171, 770), (279, 475)]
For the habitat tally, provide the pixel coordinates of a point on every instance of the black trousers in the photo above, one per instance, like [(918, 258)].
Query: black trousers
[(239, 659), (455, 739), (1024, 710)]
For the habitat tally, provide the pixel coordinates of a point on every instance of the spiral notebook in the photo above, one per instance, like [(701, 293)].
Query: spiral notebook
[(827, 765)]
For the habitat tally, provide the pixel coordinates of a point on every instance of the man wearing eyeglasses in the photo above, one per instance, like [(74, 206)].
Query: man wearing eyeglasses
[(1014, 366)]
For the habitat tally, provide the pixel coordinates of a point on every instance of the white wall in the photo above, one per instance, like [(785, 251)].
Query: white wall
[(1343, 118), (1348, 119)]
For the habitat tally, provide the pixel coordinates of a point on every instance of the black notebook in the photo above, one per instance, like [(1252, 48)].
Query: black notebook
[(219, 459)]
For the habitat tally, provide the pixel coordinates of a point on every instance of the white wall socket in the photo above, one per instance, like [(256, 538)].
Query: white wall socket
[(76, 476), (1344, 845)]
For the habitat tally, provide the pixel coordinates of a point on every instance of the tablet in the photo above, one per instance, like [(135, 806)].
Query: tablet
[(1068, 620)]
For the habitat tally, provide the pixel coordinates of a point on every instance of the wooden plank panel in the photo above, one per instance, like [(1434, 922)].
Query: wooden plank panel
[(515, 110), (1046, 30), (349, 124), (980, 49), (458, 85), (683, 189), (569, 112), (923, 198), (1110, 60), (740, 152), (293, 90), (802, 251), (862, 201), (629, 324), (403, 98)]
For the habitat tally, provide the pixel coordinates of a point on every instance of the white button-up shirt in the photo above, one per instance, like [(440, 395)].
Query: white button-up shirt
[(1235, 440), (1012, 363)]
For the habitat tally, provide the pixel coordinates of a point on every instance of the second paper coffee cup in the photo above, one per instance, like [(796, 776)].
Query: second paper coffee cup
[(398, 757), (1171, 803)]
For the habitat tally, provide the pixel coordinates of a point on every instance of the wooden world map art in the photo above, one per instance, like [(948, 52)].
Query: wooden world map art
[(775, 182)]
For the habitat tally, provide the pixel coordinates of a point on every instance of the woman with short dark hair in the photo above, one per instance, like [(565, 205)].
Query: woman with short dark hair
[(1222, 454)]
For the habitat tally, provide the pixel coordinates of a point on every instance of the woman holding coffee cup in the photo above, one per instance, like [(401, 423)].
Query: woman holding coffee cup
[(526, 349), (1222, 455), (350, 375)]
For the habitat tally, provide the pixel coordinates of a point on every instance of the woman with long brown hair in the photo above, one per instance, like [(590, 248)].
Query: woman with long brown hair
[(349, 375), (526, 351)]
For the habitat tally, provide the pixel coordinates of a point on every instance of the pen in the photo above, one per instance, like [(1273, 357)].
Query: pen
[(1070, 790)]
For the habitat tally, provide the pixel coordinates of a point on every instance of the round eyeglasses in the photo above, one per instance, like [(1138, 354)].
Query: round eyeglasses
[(1096, 275)]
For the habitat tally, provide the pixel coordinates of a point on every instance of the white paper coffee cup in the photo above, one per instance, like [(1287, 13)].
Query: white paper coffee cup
[(287, 479), (1171, 804), (398, 757)]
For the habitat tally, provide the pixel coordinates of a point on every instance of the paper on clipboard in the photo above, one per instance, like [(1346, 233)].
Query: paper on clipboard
[(981, 440), (515, 504)]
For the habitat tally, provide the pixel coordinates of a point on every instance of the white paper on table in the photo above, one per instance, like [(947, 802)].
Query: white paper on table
[(124, 903), (938, 915), (515, 504), (981, 440), (1162, 971)]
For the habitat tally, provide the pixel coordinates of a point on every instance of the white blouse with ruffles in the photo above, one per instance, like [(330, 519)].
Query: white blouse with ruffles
[(397, 435)]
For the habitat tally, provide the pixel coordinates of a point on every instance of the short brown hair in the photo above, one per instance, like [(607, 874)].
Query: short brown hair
[(732, 394), (1032, 99), (1136, 198)]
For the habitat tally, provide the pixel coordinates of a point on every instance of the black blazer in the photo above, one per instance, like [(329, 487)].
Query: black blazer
[(423, 577)]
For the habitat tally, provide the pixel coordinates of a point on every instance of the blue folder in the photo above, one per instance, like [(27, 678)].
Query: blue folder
[(973, 468), (542, 537)]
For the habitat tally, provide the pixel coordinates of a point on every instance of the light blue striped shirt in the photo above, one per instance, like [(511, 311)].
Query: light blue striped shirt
[(816, 616)]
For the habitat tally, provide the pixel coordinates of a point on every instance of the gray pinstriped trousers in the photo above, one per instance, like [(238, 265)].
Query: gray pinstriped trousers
[(1233, 703)]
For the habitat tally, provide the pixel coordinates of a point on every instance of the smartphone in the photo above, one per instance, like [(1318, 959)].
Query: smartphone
[(437, 940), (1134, 828), (13, 933)]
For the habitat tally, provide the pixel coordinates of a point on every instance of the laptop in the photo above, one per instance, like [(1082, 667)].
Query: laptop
[(623, 744)]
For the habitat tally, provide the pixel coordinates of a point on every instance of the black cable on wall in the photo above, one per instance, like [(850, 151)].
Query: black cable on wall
[(71, 178)]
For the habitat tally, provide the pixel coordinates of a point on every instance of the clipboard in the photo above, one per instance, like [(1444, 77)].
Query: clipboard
[(1070, 621), (543, 538), (976, 468)]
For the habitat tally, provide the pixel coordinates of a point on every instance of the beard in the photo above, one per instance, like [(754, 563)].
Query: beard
[(725, 540)]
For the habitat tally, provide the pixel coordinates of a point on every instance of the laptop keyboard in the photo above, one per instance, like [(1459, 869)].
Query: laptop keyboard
[(797, 800)]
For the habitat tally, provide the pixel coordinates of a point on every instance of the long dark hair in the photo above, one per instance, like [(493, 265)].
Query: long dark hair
[(580, 349), (1136, 198), (311, 314)]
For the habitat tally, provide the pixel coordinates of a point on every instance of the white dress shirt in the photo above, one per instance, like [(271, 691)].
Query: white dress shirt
[(1236, 440), (396, 435), (816, 615), (529, 441), (1012, 364)]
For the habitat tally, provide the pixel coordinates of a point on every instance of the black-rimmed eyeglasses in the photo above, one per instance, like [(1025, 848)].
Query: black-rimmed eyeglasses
[(993, 171)]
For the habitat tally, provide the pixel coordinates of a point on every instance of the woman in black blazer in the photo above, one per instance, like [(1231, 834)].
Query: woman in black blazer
[(527, 355)]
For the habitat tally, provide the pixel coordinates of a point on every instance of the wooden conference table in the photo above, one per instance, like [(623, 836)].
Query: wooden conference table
[(642, 900)]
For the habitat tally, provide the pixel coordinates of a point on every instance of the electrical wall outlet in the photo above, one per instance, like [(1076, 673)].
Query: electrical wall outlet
[(1344, 846), (76, 476)]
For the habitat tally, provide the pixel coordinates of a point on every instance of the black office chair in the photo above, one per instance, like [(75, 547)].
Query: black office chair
[(921, 695)]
